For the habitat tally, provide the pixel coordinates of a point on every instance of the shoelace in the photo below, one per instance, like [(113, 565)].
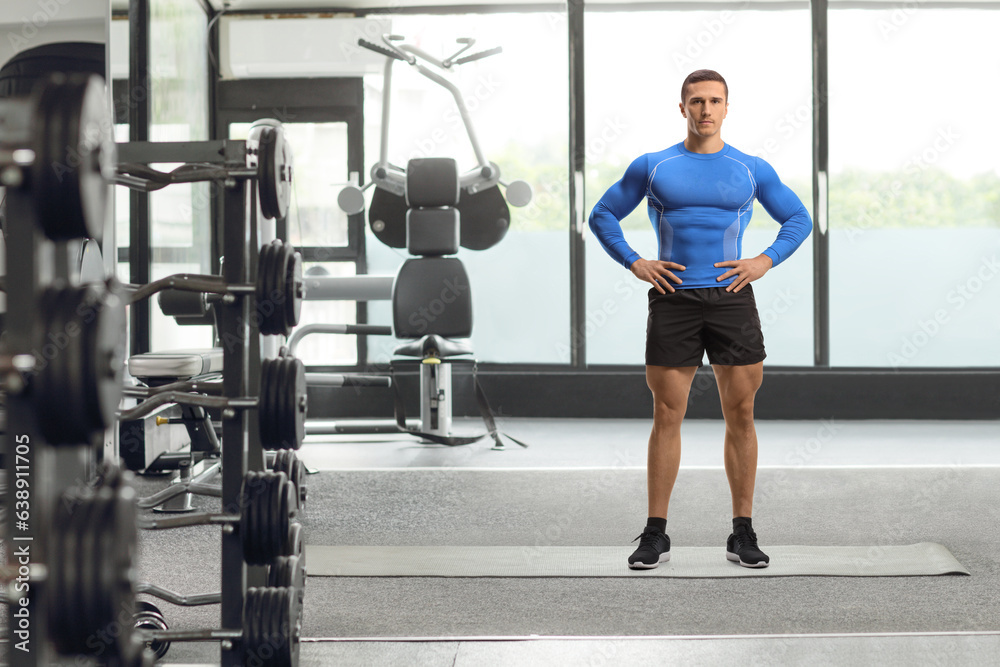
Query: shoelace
[(747, 538), (648, 538)]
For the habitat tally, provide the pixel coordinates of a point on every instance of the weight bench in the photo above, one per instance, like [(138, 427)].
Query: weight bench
[(146, 447)]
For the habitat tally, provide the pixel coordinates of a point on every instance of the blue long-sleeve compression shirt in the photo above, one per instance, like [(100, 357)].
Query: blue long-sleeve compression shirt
[(700, 204)]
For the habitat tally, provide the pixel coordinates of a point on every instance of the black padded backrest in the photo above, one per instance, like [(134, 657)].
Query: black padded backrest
[(20, 74), (431, 181), (432, 231), (431, 295)]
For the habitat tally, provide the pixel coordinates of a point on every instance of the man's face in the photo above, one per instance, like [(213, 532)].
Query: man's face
[(705, 107)]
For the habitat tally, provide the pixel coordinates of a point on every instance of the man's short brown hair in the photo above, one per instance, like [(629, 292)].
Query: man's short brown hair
[(700, 75)]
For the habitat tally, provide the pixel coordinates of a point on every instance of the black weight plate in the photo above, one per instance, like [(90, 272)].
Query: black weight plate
[(289, 510), (78, 580), (286, 168), (71, 596), (54, 109), (294, 543), (264, 280), (82, 344), (290, 626), (94, 588), (267, 172), (265, 404), (387, 218), (299, 401), (271, 408), (286, 571), (281, 408), (57, 400), (289, 401), (276, 312), (98, 156), (106, 556), (266, 501), (273, 502), (274, 173), (269, 647), (282, 627), (299, 475), (252, 613), (298, 576), (77, 382), (270, 305), (262, 627), (286, 403), (104, 321), (22, 72), (294, 289), (74, 158), (483, 217), (264, 650), (271, 627), (280, 463), (247, 518), (290, 572), (268, 410), (59, 560), (278, 572), (287, 462), (122, 544), (275, 527), (76, 626)]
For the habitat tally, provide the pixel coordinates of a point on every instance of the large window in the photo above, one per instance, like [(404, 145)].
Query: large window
[(180, 214), (632, 95), (914, 204), (320, 164), (518, 103)]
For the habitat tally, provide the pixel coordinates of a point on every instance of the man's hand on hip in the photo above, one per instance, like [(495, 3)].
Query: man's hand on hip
[(745, 270), (657, 272)]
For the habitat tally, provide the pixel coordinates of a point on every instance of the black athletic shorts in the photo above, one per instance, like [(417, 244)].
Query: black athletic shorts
[(683, 325)]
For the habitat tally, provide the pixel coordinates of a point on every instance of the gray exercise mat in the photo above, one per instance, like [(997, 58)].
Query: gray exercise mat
[(923, 559)]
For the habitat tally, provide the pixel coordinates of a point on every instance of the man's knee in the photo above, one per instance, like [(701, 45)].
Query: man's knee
[(668, 412), (739, 411)]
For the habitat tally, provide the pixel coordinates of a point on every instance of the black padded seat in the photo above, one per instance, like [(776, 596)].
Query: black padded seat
[(433, 346)]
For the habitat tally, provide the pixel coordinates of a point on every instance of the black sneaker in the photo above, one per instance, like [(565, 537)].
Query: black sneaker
[(654, 548), (741, 547)]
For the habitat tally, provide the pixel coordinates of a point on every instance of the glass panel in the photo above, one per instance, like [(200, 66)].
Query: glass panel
[(518, 103), (328, 349), (320, 172), (180, 214), (769, 116), (166, 334), (122, 208), (914, 214)]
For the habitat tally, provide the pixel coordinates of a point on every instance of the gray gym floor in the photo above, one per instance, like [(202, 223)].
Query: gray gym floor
[(581, 482)]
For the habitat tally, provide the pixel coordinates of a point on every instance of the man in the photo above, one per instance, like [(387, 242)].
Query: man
[(700, 196)]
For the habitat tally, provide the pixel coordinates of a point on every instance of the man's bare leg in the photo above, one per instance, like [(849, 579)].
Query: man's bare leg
[(738, 386), (670, 386)]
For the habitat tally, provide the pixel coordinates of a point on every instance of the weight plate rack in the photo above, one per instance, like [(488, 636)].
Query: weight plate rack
[(71, 544)]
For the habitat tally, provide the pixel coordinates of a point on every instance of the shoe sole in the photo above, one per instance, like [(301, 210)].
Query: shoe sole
[(639, 565), (736, 559)]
